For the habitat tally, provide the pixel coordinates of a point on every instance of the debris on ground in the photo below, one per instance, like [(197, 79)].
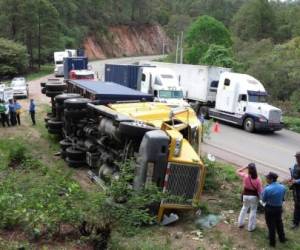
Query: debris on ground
[(208, 221)]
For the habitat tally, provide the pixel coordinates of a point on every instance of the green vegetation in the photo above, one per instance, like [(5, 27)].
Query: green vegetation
[(202, 38), (292, 123), (45, 70), (13, 58)]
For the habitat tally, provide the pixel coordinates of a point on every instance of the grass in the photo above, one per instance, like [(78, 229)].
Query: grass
[(46, 196), (45, 70), (292, 123)]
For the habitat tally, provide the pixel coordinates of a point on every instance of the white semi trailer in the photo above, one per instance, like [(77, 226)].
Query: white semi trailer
[(216, 92)]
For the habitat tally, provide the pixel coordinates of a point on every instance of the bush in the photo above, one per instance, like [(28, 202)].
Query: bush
[(13, 58), (17, 154), (218, 174)]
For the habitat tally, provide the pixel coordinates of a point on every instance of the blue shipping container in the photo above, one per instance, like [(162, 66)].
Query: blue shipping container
[(126, 75), (77, 63)]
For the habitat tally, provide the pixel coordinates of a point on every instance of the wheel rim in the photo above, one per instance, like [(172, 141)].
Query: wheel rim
[(249, 125)]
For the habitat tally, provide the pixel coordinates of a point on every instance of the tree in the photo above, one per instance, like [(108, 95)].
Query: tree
[(13, 58), (204, 32), (254, 20), (218, 55)]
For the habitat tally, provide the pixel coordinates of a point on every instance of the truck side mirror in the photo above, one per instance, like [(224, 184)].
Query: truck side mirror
[(155, 93)]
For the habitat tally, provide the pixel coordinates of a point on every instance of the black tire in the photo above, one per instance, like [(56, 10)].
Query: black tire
[(59, 108), (75, 114), (75, 155), (64, 144), (55, 86), (61, 98), (46, 119), (54, 131), (53, 93), (74, 163), (43, 84), (63, 154), (205, 111), (53, 124), (249, 125), (43, 91), (76, 103)]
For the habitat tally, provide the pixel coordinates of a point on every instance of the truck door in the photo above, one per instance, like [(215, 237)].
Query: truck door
[(242, 104), (145, 83)]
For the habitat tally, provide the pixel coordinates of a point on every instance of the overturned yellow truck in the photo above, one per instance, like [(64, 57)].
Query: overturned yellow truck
[(100, 132), (165, 156)]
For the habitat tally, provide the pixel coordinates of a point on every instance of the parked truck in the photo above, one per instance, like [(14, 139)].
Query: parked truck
[(162, 83), (77, 68), (216, 92), (59, 59), (102, 123)]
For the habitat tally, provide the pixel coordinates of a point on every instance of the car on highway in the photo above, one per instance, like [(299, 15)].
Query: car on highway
[(20, 87)]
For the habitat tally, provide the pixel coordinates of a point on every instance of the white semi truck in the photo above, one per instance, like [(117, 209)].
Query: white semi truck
[(162, 83), (216, 92), (59, 60)]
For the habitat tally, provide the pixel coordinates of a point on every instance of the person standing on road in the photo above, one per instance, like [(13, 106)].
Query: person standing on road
[(295, 187), (32, 111), (2, 113), (18, 111), (12, 113), (273, 196), (252, 188)]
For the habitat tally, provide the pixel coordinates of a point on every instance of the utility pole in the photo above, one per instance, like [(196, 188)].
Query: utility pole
[(181, 48), (163, 47), (177, 48)]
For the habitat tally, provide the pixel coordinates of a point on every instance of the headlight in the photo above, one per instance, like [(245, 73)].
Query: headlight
[(177, 147)]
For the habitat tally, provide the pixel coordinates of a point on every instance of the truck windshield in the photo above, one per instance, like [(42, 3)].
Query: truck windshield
[(176, 94), (257, 98)]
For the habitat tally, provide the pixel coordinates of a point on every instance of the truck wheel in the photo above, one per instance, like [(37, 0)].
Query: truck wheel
[(53, 124), (75, 114), (43, 91), (61, 98), (43, 84), (53, 93), (74, 163), (55, 86), (205, 111), (76, 103), (249, 125), (76, 155), (64, 144), (54, 131)]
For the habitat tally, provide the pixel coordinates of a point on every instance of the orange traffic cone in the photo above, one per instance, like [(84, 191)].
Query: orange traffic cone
[(216, 127)]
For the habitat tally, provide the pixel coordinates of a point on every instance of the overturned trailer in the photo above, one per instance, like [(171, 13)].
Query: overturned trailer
[(114, 124)]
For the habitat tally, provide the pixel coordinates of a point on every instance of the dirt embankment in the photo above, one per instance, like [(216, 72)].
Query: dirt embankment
[(124, 40)]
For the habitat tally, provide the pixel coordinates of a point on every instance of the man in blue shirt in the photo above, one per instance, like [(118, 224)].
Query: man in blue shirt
[(12, 113), (32, 111), (273, 196), (295, 187)]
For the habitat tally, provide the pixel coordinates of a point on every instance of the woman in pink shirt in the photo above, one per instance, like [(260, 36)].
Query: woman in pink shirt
[(252, 188)]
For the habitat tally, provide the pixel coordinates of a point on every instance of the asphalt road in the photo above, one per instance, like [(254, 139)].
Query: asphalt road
[(269, 151)]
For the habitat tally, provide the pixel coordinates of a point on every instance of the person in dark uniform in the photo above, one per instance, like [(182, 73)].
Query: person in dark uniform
[(273, 197), (295, 187), (32, 111)]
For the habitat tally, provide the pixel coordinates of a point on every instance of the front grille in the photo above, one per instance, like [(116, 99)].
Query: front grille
[(274, 116), (183, 181)]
